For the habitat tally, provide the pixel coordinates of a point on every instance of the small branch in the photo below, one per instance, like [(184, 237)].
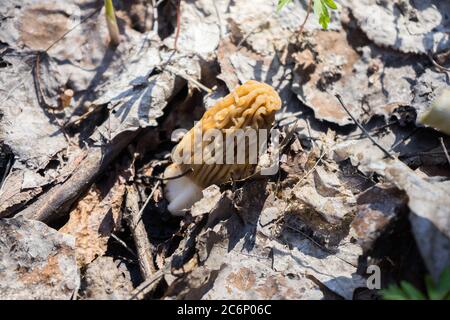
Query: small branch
[(308, 13), (293, 115), (312, 169), (405, 138), (437, 65), (177, 32), (170, 178), (147, 286), (57, 201), (188, 78), (73, 28), (219, 19), (253, 31), (363, 129), (123, 244), (445, 150), (144, 248), (141, 212), (36, 72), (5, 174), (155, 16)]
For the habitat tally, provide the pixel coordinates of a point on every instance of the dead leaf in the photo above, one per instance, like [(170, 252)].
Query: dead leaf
[(377, 209), (94, 217), (104, 281), (408, 26), (368, 78), (337, 271), (37, 262), (430, 212), (323, 192)]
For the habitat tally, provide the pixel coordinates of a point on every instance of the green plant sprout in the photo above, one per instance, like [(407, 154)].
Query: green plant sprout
[(111, 22), (321, 9), (406, 291)]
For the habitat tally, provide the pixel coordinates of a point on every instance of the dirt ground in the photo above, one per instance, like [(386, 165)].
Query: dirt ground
[(361, 198)]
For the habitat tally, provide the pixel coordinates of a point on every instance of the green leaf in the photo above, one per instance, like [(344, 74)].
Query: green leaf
[(444, 280), (318, 7), (442, 290), (433, 294), (281, 4), (393, 292), (321, 12), (330, 4), (411, 291)]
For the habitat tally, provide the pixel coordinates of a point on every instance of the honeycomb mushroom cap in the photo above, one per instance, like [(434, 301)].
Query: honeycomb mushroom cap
[(250, 106)]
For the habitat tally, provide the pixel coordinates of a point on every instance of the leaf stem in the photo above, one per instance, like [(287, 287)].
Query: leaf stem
[(111, 22)]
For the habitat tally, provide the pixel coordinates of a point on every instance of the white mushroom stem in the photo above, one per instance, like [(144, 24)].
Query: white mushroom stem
[(438, 116), (182, 192)]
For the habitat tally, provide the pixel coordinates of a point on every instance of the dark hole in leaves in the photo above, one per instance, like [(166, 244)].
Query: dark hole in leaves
[(52, 164), (3, 63)]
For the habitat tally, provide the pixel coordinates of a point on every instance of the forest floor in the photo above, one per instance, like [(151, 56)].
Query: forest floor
[(360, 200)]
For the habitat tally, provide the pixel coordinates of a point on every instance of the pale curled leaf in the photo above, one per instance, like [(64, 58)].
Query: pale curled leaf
[(137, 100)]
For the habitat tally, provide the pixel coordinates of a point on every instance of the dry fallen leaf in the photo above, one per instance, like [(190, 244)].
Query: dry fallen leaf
[(104, 281), (94, 217), (36, 261), (408, 26), (429, 202)]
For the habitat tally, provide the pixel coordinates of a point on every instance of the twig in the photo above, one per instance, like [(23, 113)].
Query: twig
[(219, 19), (147, 286), (319, 245), (363, 129), (170, 178), (144, 248), (445, 149), (308, 126), (293, 115), (177, 32), (36, 72), (437, 65), (404, 139), (308, 12), (187, 78), (253, 31), (312, 169), (56, 202), (123, 244), (5, 174), (80, 118), (155, 16), (139, 215), (285, 50), (73, 28)]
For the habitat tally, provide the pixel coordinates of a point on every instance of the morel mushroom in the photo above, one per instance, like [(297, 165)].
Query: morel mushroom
[(238, 123)]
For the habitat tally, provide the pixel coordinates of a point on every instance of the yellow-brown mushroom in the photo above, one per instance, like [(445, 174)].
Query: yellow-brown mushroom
[(250, 107)]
